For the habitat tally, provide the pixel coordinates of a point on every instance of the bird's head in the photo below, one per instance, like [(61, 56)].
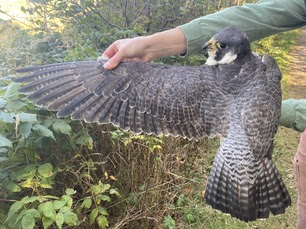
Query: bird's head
[(226, 46)]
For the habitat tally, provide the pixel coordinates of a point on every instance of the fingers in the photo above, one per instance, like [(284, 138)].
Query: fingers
[(111, 50), (124, 50), (114, 55), (113, 61)]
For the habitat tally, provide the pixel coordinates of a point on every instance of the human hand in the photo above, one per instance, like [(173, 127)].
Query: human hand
[(146, 48), (131, 49)]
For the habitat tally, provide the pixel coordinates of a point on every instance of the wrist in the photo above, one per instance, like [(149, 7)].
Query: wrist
[(166, 43)]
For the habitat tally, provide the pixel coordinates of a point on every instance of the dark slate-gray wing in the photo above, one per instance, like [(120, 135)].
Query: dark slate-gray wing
[(142, 97), (260, 115)]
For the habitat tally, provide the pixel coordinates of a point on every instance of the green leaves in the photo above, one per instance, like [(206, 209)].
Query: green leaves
[(43, 131), (99, 192), (10, 101), (47, 209), (70, 218), (7, 117), (99, 214), (104, 198), (169, 222), (87, 203), (99, 188), (26, 199), (93, 215), (4, 142), (102, 221), (14, 105), (47, 222), (25, 129), (59, 212), (11, 92), (180, 200), (45, 170), (61, 126), (86, 140), (3, 102), (26, 117), (28, 221), (34, 176), (58, 204), (70, 192), (13, 209), (13, 187), (59, 219), (113, 191), (102, 210)]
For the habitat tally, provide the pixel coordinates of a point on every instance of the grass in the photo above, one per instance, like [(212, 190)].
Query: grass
[(171, 182), (206, 217)]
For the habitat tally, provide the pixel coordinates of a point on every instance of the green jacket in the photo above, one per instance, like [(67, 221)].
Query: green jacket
[(294, 114), (259, 20)]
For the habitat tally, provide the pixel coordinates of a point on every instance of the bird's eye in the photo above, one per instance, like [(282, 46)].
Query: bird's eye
[(222, 45)]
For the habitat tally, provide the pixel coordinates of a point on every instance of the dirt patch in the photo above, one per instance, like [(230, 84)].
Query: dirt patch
[(297, 83)]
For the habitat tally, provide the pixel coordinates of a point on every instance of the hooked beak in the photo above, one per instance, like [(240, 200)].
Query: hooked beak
[(210, 45), (206, 47)]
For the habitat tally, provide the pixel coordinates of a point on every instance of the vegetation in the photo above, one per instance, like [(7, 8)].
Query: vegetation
[(57, 173)]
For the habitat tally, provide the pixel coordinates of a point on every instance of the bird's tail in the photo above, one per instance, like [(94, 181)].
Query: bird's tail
[(245, 198)]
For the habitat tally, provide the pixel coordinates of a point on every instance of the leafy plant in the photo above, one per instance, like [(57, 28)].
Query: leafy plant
[(169, 222), (48, 209), (99, 193)]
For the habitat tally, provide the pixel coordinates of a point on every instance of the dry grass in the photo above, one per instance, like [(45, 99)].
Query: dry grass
[(171, 181)]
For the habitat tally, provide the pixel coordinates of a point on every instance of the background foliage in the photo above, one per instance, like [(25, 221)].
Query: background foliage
[(58, 173)]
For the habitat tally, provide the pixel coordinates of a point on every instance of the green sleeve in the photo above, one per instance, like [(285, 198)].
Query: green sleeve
[(259, 20), (294, 114)]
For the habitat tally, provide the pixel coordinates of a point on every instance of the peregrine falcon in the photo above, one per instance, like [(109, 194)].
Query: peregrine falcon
[(236, 96)]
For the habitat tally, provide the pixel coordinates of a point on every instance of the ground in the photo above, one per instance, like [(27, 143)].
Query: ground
[(287, 140), (297, 86)]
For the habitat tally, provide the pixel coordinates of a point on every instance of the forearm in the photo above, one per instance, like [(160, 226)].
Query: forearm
[(167, 43)]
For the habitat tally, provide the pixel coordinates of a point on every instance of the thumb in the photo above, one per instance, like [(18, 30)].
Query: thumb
[(114, 61)]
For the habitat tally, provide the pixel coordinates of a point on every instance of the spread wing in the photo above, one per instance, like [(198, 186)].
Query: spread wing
[(142, 97)]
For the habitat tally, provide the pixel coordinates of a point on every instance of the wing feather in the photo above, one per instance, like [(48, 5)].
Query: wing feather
[(93, 113), (86, 108), (55, 78), (78, 97), (47, 95), (64, 100), (142, 97)]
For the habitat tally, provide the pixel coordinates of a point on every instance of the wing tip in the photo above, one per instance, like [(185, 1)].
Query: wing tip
[(21, 79), (24, 70)]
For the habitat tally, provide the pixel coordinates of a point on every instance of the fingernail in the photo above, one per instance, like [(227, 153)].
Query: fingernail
[(106, 65), (104, 56)]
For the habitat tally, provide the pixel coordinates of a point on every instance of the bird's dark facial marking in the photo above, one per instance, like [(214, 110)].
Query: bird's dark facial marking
[(219, 55)]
